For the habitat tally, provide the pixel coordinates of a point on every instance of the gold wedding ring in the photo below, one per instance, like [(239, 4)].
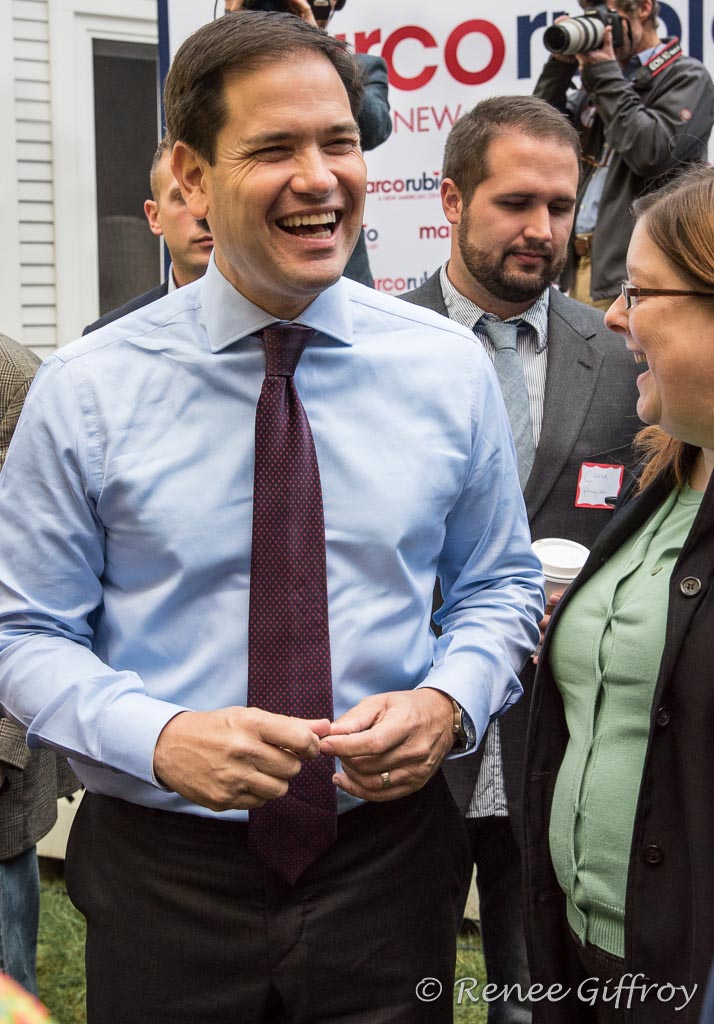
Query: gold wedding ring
[(386, 782)]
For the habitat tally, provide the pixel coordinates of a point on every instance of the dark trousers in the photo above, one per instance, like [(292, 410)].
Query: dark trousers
[(498, 878), (185, 926), (601, 970)]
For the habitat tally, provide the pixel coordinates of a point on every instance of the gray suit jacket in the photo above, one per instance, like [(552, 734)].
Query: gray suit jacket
[(28, 804), (588, 416)]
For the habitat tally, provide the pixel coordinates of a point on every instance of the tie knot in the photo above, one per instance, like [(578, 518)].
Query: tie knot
[(284, 344), (502, 334)]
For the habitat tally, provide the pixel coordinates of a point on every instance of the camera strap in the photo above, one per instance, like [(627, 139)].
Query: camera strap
[(671, 51)]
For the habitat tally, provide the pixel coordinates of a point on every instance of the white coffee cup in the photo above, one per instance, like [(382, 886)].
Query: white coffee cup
[(562, 560)]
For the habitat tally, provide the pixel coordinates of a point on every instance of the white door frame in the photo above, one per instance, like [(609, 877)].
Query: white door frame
[(10, 304), (74, 24)]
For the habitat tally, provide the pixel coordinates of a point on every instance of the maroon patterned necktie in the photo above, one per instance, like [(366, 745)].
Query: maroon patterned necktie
[(289, 670)]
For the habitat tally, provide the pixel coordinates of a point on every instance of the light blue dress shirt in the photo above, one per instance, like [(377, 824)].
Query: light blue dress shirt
[(126, 510)]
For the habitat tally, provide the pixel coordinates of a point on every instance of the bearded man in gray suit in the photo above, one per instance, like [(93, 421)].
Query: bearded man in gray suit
[(30, 781), (510, 178)]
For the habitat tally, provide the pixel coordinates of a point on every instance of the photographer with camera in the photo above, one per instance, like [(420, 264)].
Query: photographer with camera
[(644, 110), (375, 124)]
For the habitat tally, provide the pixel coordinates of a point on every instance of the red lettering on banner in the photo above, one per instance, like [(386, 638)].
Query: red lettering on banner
[(416, 119), (422, 36), (498, 47), (446, 116), (366, 41), (433, 232), (422, 119), (400, 284)]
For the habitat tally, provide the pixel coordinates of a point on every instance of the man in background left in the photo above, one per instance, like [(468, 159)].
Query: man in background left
[(30, 782), (188, 241)]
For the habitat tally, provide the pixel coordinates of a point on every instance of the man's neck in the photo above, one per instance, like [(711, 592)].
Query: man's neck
[(182, 277), (649, 39), (480, 296)]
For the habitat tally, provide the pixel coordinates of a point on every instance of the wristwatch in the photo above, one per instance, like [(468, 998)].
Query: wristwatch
[(464, 731)]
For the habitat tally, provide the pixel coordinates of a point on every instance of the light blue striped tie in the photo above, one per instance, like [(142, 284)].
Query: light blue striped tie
[(509, 369)]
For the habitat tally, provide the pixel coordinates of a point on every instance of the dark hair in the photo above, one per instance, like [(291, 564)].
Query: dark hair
[(194, 97), (631, 9), (466, 153), (678, 218), (163, 148)]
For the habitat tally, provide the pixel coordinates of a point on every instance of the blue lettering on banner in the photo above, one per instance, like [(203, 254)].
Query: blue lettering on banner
[(674, 26), (696, 29)]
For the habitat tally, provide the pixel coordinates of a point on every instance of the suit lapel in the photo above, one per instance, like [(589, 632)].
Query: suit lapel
[(573, 368)]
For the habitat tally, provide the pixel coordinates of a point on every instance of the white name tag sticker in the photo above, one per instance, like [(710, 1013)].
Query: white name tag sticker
[(597, 482)]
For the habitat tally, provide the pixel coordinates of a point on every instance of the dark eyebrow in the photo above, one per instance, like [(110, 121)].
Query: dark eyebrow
[(535, 195), (278, 137)]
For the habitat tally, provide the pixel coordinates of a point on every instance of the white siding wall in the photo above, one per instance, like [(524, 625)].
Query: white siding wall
[(34, 174)]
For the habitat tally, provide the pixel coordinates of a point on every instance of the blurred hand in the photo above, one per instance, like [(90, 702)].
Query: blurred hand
[(544, 622), (234, 758), (407, 733), (606, 51)]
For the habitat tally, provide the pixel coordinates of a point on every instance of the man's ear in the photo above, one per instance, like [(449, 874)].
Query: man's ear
[(151, 209), (188, 169), (451, 201)]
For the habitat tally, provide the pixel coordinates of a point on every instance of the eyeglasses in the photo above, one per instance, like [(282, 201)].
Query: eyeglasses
[(631, 293)]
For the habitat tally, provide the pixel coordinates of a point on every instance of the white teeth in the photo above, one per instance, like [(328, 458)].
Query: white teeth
[(640, 357), (308, 220)]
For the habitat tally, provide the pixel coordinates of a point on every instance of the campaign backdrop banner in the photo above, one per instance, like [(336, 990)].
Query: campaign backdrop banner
[(443, 57)]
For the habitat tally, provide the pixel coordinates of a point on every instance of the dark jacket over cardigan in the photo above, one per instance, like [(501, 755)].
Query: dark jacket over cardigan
[(669, 915)]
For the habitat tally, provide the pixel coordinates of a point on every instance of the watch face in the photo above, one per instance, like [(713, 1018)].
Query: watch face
[(466, 735)]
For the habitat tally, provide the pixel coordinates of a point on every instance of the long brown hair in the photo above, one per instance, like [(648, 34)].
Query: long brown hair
[(679, 219)]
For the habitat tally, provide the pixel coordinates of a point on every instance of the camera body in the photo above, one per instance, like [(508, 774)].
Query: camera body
[(585, 31), (320, 8)]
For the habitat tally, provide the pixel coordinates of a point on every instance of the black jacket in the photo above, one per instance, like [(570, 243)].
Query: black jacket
[(669, 924), (141, 300), (656, 123)]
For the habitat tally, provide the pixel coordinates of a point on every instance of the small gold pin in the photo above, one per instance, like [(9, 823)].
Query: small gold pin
[(655, 571)]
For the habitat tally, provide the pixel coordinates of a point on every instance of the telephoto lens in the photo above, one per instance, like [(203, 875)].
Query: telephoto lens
[(575, 35)]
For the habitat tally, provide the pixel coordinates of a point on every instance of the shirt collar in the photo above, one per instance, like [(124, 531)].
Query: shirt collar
[(645, 56), (466, 312), (640, 60), (171, 279), (228, 316)]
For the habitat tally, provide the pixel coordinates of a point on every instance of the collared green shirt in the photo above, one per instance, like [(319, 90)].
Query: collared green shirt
[(605, 656)]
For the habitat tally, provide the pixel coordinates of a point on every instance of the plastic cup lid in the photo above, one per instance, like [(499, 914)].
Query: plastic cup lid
[(562, 559)]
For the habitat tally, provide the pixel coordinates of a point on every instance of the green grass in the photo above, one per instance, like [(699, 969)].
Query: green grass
[(60, 949), (60, 956)]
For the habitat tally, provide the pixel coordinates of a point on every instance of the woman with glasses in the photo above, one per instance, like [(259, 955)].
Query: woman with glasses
[(619, 789)]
